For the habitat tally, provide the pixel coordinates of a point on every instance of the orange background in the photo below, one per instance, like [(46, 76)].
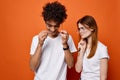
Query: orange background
[(20, 20)]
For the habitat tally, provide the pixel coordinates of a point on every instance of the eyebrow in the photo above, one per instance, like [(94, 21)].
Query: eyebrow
[(52, 25)]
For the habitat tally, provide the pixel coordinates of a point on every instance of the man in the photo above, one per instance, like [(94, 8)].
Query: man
[(50, 49)]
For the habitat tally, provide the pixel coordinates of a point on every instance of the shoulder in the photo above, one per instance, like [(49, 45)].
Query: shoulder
[(35, 38), (70, 37), (101, 45), (102, 50)]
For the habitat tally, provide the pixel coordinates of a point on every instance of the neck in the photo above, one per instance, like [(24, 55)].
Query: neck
[(89, 42), (53, 35)]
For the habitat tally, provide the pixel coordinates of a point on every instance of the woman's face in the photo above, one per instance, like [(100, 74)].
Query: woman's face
[(84, 31)]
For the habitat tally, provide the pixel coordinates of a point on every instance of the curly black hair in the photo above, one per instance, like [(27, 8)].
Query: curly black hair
[(54, 11)]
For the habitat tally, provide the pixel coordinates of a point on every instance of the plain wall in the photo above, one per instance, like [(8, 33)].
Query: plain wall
[(20, 20)]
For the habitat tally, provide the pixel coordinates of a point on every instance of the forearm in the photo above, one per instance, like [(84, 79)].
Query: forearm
[(68, 56), (35, 59), (103, 76), (103, 69), (79, 63)]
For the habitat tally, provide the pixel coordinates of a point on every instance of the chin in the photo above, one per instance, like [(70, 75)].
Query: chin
[(83, 37), (53, 34)]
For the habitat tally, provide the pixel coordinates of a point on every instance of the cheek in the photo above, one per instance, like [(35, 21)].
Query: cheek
[(48, 29), (52, 30), (88, 33), (84, 32)]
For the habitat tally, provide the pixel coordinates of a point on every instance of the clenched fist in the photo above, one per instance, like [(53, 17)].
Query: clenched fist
[(42, 36), (65, 36)]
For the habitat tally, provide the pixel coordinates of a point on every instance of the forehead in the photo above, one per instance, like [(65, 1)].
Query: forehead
[(80, 25), (51, 22)]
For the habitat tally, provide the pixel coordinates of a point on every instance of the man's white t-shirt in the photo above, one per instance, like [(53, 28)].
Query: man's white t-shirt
[(53, 65), (91, 67)]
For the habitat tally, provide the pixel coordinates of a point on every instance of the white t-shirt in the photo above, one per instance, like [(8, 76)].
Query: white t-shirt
[(53, 65), (91, 67)]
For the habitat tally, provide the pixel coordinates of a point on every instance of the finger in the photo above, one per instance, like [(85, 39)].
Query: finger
[(64, 36), (81, 43), (43, 38), (63, 32), (43, 33), (79, 46), (79, 49)]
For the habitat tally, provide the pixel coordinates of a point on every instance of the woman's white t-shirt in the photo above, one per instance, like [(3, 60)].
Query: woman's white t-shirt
[(53, 65), (91, 67)]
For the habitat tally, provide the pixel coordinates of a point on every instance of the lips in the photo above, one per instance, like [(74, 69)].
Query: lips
[(81, 34), (52, 32)]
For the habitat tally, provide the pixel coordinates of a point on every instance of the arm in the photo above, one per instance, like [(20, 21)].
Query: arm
[(103, 68), (68, 56), (79, 63), (36, 57), (81, 50)]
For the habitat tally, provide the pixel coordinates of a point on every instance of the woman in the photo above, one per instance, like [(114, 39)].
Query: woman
[(92, 60)]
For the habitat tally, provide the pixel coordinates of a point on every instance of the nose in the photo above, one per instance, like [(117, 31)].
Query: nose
[(81, 31), (52, 29)]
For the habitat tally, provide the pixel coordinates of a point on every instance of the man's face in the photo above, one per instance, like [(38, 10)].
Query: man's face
[(52, 27)]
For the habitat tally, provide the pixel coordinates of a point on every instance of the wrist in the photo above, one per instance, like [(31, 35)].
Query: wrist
[(40, 44), (65, 47), (81, 52)]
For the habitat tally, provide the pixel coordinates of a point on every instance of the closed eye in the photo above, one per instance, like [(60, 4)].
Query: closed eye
[(81, 28)]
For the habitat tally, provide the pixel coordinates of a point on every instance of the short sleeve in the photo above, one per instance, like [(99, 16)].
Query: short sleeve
[(34, 45), (104, 53), (71, 44)]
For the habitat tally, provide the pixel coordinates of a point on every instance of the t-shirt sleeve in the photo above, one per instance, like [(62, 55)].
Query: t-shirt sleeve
[(33, 45), (104, 53), (71, 44)]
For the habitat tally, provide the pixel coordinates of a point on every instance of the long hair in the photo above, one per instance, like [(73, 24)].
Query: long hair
[(91, 23)]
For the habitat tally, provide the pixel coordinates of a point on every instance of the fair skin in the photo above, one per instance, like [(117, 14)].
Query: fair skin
[(51, 31), (85, 33)]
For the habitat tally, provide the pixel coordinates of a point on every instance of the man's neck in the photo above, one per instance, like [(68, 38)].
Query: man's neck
[(53, 36)]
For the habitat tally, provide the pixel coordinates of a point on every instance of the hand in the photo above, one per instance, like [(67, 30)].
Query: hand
[(82, 46), (65, 36), (42, 36)]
